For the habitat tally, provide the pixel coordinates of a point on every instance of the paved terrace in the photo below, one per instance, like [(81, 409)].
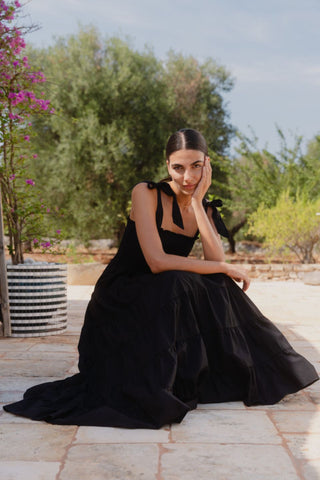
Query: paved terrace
[(215, 442)]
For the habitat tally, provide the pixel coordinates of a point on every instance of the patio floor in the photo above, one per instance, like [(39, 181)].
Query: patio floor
[(225, 441)]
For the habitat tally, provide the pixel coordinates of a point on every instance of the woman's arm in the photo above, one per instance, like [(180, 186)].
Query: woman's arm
[(144, 204), (210, 239)]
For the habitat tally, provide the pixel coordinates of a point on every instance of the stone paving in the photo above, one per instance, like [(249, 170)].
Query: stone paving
[(225, 441)]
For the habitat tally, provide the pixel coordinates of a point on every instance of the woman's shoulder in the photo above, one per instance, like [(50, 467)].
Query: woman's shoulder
[(143, 198), (144, 189), (151, 185), (154, 187)]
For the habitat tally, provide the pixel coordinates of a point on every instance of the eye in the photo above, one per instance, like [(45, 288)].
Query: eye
[(177, 167), (198, 165)]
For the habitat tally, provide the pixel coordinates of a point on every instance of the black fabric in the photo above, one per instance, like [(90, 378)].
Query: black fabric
[(153, 346)]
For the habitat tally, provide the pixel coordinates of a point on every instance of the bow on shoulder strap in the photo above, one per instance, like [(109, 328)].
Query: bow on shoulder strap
[(176, 214), (216, 217)]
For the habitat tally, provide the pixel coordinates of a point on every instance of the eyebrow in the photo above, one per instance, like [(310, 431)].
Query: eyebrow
[(193, 163)]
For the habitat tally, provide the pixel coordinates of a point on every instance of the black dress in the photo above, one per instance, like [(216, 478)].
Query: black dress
[(154, 345)]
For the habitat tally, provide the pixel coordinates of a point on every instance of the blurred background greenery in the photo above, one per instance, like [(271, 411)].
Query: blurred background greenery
[(115, 108)]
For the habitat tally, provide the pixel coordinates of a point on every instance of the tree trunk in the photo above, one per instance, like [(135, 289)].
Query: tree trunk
[(308, 257), (17, 256), (4, 296), (232, 233)]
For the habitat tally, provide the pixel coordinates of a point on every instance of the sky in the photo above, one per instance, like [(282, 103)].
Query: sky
[(271, 49)]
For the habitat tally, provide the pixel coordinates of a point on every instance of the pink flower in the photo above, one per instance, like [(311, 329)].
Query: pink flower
[(35, 155), (12, 177), (42, 206), (52, 110), (27, 138), (35, 240), (58, 231), (48, 210), (29, 181), (17, 4)]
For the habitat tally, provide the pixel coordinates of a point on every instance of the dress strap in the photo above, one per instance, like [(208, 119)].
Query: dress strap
[(176, 214), (216, 217)]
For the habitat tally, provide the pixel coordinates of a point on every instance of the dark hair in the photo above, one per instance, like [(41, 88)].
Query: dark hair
[(186, 139)]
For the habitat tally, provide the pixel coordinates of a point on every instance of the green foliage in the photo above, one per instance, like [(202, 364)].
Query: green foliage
[(291, 223), (259, 177), (115, 108), (195, 93)]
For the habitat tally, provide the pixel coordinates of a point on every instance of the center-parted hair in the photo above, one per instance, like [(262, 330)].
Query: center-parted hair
[(186, 139)]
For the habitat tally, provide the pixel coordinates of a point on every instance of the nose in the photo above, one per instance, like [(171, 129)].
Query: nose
[(188, 177)]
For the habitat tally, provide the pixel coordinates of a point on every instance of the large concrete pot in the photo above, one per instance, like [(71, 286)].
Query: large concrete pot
[(38, 299)]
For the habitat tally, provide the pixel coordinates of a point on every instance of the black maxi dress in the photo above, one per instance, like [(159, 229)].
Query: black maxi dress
[(154, 345)]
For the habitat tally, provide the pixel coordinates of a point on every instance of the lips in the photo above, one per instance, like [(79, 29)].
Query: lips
[(188, 187)]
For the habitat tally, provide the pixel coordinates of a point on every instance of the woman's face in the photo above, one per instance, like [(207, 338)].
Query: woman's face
[(185, 168)]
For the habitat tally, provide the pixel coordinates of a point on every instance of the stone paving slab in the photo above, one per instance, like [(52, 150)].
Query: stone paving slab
[(42, 368), (310, 470), (29, 470), (35, 355), (225, 441), (296, 402), (221, 406), (226, 427), (121, 435), (226, 462), (30, 442), (111, 462), (308, 422), (304, 446)]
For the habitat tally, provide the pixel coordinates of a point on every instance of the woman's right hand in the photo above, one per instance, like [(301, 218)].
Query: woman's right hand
[(239, 275)]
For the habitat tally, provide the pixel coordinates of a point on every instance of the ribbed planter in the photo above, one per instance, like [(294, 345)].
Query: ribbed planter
[(38, 299)]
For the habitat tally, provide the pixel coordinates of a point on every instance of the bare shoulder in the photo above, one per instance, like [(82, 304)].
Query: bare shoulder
[(143, 197), (142, 189)]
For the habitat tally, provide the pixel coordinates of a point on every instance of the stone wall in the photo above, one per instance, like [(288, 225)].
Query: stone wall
[(88, 273), (281, 271)]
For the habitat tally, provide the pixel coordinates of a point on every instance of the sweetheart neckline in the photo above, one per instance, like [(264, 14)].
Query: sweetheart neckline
[(181, 234), (175, 233)]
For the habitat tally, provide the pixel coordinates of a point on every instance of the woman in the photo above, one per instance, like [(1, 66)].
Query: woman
[(164, 332)]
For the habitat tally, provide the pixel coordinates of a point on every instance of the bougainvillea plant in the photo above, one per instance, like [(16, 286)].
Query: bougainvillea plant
[(24, 210)]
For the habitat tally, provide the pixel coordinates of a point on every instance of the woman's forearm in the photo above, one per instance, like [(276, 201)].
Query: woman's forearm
[(211, 242), (165, 262), (176, 262)]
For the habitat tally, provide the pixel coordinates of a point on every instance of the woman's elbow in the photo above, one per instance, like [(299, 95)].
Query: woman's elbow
[(156, 265), (216, 257)]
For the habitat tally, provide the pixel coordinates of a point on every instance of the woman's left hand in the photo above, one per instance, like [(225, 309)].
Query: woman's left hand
[(205, 181)]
